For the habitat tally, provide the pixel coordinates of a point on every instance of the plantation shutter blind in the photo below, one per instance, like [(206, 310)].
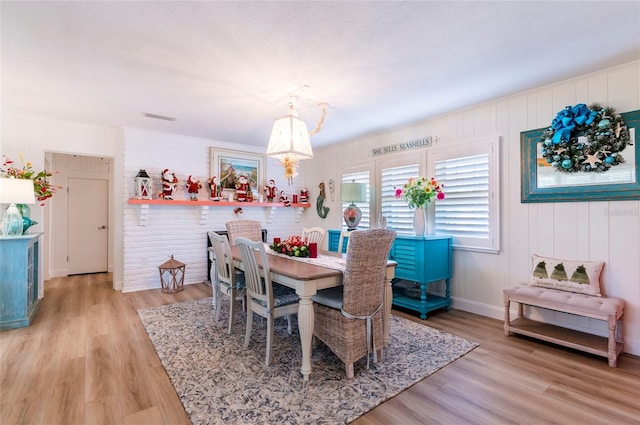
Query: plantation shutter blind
[(397, 212), (465, 211), (360, 177)]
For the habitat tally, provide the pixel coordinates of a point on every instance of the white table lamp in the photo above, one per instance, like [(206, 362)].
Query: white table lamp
[(15, 191)]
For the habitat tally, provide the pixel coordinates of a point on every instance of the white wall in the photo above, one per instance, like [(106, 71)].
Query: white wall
[(179, 230), (33, 138), (608, 231)]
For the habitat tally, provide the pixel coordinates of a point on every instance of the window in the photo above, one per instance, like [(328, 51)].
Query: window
[(398, 214), (359, 177), (470, 211)]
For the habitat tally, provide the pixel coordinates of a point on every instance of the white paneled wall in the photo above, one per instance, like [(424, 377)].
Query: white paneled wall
[(608, 231), (177, 230)]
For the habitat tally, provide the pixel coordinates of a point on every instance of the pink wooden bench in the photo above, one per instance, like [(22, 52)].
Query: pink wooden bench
[(608, 309)]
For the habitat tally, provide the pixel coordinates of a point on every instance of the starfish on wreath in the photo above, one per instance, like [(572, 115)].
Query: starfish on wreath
[(592, 160)]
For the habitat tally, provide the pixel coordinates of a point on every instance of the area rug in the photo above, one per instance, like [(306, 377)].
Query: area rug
[(219, 382)]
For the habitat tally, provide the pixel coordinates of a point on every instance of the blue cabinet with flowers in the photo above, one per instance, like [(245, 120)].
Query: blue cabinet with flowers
[(423, 261), (19, 280)]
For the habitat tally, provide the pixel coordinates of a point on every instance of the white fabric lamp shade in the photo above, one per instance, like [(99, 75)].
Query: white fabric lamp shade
[(289, 137), (15, 191)]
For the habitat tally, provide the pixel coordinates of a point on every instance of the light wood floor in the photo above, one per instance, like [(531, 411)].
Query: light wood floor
[(86, 359)]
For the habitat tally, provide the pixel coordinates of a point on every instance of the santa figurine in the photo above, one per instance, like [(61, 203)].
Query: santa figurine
[(169, 184), (270, 190), (304, 195), (284, 198), (242, 186), (215, 188), (193, 185)]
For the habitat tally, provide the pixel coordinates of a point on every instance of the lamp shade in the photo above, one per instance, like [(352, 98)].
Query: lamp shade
[(17, 191), (353, 192), (289, 137)]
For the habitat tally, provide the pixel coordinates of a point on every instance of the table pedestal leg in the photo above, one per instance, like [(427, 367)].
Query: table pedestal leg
[(305, 326)]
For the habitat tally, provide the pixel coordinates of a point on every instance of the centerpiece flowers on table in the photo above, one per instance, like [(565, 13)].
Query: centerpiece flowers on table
[(420, 191), (293, 246), (41, 185)]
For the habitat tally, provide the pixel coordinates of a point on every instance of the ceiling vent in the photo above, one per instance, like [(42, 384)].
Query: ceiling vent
[(159, 117)]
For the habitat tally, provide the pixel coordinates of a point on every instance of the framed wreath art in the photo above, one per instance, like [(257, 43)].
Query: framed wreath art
[(586, 154)]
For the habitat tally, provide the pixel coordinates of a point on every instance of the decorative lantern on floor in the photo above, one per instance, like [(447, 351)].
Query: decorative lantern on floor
[(143, 185), (172, 275)]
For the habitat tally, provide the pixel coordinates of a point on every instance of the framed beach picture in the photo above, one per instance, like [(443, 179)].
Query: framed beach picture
[(229, 165)]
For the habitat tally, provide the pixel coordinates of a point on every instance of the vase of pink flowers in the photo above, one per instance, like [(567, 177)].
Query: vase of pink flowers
[(419, 193)]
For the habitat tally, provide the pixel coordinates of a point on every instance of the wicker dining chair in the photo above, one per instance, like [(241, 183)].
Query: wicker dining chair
[(313, 234), (250, 229), (348, 318), (264, 297), (229, 281)]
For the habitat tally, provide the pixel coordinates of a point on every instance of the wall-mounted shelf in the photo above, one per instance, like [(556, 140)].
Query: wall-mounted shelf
[(204, 205)]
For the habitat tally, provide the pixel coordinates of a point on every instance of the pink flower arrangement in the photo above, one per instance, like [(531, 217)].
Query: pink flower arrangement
[(420, 191)]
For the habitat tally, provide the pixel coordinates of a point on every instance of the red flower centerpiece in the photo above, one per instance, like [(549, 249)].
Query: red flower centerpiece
[(293, 246)]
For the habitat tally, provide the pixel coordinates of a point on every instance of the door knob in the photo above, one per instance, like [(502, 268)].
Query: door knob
[(102, 227)]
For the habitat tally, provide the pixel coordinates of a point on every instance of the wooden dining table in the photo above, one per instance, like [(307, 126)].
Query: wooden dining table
[(307, 278)]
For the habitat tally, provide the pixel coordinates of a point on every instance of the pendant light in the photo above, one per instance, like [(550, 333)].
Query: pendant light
[(290, 141)]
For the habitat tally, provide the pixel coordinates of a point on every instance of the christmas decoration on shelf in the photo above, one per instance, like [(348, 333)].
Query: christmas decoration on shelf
[(284, 199), (144, 185), (588, 139), (215, 188), (169, 184), (304, 195), (270, 190), (193, 186), (242, 186)]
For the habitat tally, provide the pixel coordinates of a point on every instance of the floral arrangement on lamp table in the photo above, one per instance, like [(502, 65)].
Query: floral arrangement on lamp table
[(293, 246), (42, 187), (420, 191), (585, 139)]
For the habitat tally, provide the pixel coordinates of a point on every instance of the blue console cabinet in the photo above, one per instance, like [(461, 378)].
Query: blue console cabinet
[(423, 260), (19, 280)]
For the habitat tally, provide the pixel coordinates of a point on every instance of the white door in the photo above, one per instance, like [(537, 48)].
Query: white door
[(87, 226)]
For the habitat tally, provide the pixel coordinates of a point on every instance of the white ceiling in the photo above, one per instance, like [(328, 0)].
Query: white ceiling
[(225, 70)]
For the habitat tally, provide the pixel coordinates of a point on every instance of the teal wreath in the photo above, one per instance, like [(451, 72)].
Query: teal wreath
[(585, 139)]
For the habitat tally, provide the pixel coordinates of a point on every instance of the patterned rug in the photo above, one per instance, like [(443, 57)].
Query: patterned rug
[(219, 382)]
